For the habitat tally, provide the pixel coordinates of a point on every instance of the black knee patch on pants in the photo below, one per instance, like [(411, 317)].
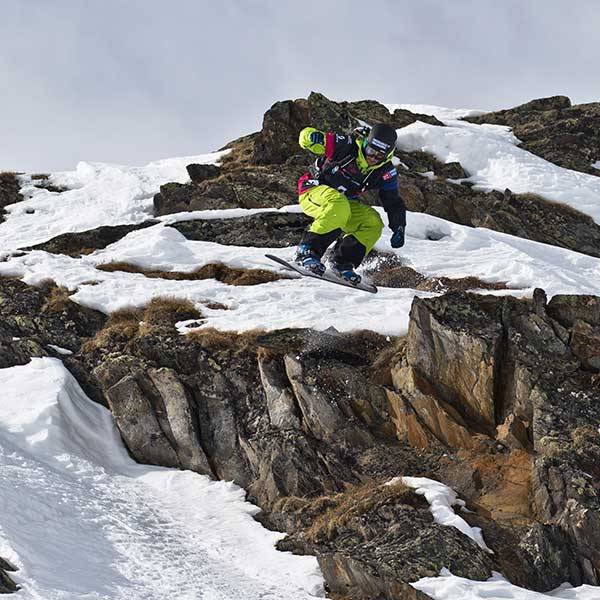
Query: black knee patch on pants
[(319, 242), (349, 250)]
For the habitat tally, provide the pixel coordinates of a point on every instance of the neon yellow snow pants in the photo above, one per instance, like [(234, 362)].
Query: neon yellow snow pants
[(331, 210)]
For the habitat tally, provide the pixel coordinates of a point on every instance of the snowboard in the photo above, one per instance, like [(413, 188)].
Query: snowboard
[(328, 276)]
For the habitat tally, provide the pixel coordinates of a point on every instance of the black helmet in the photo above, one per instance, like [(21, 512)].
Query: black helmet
[(382, 138)]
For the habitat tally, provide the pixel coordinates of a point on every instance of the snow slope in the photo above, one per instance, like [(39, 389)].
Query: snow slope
[(82, 520), (98, 194), (79, 518)]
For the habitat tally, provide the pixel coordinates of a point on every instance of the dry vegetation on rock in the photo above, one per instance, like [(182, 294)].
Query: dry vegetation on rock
[(218, 271)]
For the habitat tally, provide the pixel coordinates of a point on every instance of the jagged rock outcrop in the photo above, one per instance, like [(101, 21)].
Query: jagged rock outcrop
[(512, 359), (7, 585), (552, 128), (9, 191), (292, 418), (524, 215), (487, 391), (278, 138), (36, 318), (85, 242), (263, 168)]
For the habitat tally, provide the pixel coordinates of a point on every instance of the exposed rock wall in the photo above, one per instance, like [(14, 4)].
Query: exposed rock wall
[(496, 396), (9, 191), (498, 362)]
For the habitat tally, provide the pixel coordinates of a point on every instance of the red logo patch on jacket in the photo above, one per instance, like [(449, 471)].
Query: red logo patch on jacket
[(389, 174)]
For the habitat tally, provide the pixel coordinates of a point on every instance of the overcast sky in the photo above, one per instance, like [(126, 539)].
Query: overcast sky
[(130, 81)]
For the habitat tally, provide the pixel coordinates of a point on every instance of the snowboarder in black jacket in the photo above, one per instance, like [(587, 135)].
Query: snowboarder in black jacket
[(346, 166)]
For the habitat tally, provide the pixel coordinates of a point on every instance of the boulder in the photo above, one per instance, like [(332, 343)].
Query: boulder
[(282, 123), (262, 230), (200, 173), (267, 186), (10, 191), (85, 242)]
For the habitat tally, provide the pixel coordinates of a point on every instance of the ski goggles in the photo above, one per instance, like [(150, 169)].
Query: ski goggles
[(374, 153)]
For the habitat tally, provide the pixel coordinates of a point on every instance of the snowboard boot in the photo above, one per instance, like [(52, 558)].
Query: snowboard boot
[(309, 260), (346, 271)]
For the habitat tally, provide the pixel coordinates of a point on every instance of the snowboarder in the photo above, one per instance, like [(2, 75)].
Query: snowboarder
[(346, 166)]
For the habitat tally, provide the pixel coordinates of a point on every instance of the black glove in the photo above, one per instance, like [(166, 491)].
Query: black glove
[(316, 137), (397, 239)]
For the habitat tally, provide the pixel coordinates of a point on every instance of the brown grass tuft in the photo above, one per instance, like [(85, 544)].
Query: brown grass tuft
[(167, 310), (125, 325), (57, 299), (218, 271), (333, 512), (121, 327), (214, 305), (122, 267), (213, 339)]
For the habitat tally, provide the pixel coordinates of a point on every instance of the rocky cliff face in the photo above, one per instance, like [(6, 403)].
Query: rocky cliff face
[(496, 397)]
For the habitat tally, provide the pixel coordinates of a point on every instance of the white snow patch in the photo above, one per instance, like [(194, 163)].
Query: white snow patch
[(439, 112), (98, 194), (434, 247), (441, 499), (596, 165), (85, 521), (60, 350), (450, 587), (490, 155)]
